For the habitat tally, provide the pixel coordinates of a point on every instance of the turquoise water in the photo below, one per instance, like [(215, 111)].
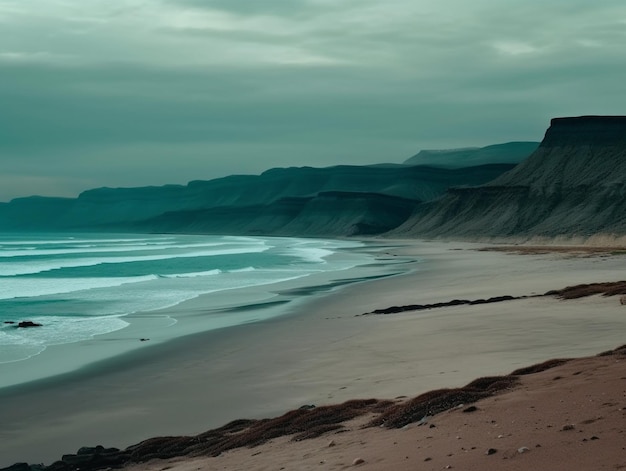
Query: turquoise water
[(82, 286)]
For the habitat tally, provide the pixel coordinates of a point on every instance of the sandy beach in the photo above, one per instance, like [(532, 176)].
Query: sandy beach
[(325, 352)]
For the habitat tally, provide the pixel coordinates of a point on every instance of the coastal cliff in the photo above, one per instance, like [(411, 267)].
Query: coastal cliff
[(342, 200), (509, 152), (573, 184)]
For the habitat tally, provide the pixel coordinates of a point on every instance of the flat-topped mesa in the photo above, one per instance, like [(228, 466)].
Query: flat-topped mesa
[(572, 185), (586, 130), (585, 151)]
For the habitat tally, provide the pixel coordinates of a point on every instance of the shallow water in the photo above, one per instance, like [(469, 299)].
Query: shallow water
[(82, 287)]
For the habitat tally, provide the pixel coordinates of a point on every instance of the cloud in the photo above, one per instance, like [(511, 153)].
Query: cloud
[(213, 85)]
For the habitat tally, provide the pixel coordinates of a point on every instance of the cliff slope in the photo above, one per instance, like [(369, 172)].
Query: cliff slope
[(574, 184), (340, 200)]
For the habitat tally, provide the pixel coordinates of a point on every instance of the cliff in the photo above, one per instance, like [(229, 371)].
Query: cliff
[(509, 152), (339, 200), (573, 184), (329, 213)]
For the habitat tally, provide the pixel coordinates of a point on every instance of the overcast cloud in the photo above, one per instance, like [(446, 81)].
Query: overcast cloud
[(133, 92)]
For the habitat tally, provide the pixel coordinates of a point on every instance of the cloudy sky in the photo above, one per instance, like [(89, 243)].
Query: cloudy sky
[(133, 92)]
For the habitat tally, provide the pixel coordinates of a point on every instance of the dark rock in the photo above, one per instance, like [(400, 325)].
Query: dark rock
[(96, 450), (470, 409), (89, 450), (17, 467), (9, 322), (59, 466), (77, 459), (307, 407), (491, 451), (586, 130), (25, 324)]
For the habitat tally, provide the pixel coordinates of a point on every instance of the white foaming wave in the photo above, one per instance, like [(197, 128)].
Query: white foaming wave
[(71, 240), (193, 274), (311, 254), (30, 252), (25, 343), (242, 270), (12, 288), (33, 267)]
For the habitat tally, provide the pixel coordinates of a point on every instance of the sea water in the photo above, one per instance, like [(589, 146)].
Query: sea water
[(79, 287)]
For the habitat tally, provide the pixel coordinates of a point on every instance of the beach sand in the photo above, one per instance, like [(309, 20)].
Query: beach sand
[(565, 418), (327, 352)]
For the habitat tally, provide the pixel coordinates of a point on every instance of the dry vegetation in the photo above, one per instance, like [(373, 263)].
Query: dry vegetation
[(581, 291), (304, 423), (434, 402), (572, 250)]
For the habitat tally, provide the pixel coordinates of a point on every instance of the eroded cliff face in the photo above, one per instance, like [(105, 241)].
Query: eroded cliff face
[(574, 184), (328, 213), (342, 200)]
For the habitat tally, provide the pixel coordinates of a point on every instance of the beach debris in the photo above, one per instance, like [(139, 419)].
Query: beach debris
[(9, 322), (622, 300), (143, 340), (568, 427), (424, 420), (491, 451), (470, 409), (523, 449), (26, 324), (434, 402), (357, 461), (454, 302), (307, 407), (331, 444)]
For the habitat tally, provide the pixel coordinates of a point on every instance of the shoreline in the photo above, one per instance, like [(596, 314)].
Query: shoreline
[(323, 353), (203, 313)]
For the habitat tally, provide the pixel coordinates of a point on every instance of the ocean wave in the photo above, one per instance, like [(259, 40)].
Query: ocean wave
[(71, 240), (21, 344), (38, 266), (76, 250), (242, 270), (193, 274), (13, 288)]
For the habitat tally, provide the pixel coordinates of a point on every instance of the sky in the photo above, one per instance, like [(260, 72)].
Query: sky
[(132, 92)]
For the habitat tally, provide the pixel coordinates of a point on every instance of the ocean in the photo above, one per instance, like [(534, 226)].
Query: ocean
[(89, 287)]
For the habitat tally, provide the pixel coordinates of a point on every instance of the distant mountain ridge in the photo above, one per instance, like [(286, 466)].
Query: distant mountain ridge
[(509, 152), (341, 200), (574, 184)]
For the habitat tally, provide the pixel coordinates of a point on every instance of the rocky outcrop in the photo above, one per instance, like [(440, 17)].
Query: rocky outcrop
[(28, 324), (574, 184)]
